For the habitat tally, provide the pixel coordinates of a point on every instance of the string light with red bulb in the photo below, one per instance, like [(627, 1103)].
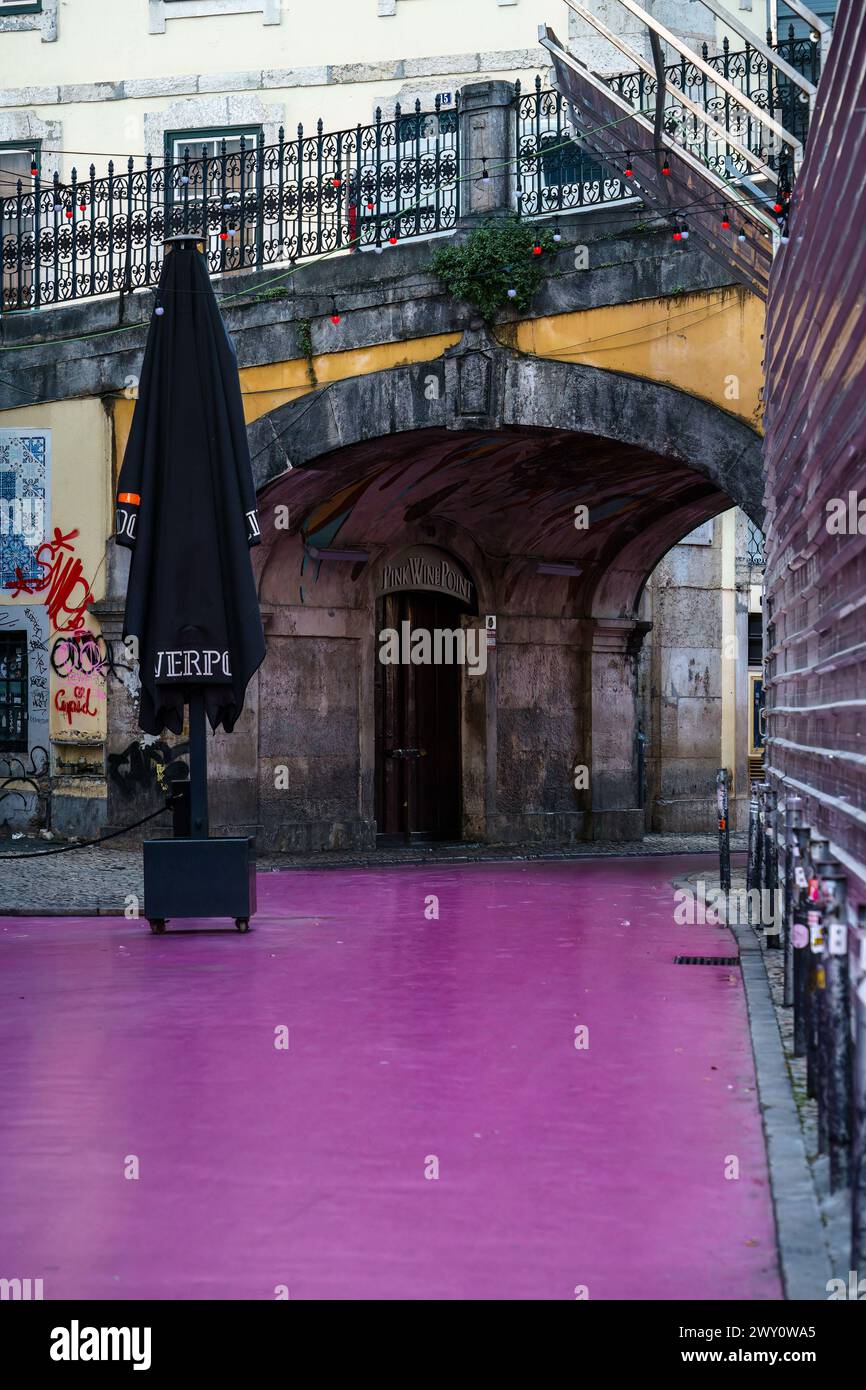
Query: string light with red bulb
[(34, 168), (628, 171), (666, 168), (335, 313)]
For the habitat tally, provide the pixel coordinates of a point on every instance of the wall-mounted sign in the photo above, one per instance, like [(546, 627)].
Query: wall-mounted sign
[(425, 567)]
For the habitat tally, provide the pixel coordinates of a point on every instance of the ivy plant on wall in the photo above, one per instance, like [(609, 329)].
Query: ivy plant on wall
[(500, 263)]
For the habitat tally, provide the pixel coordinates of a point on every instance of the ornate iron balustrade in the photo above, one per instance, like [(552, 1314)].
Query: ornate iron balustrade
[(754, 76), (754, 544), (258, 206), (553, 172)]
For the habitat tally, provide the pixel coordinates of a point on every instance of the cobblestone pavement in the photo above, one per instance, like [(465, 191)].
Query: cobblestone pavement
[(90, 880)]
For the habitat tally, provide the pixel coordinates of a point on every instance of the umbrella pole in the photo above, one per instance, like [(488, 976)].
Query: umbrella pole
[(198, 765)]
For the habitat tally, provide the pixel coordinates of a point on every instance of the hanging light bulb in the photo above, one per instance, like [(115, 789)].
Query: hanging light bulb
[(684, 231), (69, 214), (557, 234), (82, 206), (393, 238), (511, 292), (536, 246), (336, 181), (335, 316), (159, 311), (628, 171), (370, 207), (666, 168), (741, 234), (726, 221), (184, 178), (678, 235), (34, 168), (224, 235)]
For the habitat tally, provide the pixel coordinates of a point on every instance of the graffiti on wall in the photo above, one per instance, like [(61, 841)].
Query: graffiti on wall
[(67, 593), (147, 761)]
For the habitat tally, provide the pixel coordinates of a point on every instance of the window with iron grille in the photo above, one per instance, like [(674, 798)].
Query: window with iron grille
[(16, 215), (213, 185), (13, 692)]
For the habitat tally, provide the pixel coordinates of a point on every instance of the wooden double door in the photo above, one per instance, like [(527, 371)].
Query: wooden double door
[(417, 728)]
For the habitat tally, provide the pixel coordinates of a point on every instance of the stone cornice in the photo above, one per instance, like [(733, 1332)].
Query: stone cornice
[(262, 79)]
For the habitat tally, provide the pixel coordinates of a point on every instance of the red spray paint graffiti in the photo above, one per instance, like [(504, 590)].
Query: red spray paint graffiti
[(67, 591)]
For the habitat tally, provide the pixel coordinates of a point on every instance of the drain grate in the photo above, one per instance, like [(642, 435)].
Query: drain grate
[(706, 960)]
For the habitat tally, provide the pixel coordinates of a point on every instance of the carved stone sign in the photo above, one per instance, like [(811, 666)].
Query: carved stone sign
[(424, 567)]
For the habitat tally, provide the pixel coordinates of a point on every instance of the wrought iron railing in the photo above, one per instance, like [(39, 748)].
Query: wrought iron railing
[(262, 205), (752, 74), (754, 543), (256, 206), (553, 172)]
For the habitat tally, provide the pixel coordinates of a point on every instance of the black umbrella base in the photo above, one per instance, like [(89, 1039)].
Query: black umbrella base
[(199, 878)]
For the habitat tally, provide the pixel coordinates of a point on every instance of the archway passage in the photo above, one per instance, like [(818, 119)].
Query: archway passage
[(559, 487), (417, 721), (559, 530)]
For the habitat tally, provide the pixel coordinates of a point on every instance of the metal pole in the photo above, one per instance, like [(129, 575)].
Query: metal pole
[(753, 837), (835, 1041), (819, 853), (800, 938), (758, 869), (858, 1147), (772, 925), (722, 786), (792, 819), (198, 764)]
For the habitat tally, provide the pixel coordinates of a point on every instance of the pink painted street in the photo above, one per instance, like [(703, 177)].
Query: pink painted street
[(361, 1099)]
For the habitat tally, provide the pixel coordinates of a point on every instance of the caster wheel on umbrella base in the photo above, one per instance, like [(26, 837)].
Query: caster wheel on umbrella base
[(157, 925), (242, 923)]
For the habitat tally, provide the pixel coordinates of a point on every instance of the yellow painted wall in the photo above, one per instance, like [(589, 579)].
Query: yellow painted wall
[(80, 501), (708, 344)]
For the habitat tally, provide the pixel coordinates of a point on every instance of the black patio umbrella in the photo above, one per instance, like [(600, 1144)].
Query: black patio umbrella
[(186, 508)]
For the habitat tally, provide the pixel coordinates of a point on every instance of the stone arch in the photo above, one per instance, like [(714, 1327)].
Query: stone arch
[(486, 448), (479, 385)]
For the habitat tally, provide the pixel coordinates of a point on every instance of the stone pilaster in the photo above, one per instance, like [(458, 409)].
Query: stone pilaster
[(486, 134), (616, 812)]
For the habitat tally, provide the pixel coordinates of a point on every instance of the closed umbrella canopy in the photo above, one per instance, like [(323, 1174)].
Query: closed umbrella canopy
[(186, 508)]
